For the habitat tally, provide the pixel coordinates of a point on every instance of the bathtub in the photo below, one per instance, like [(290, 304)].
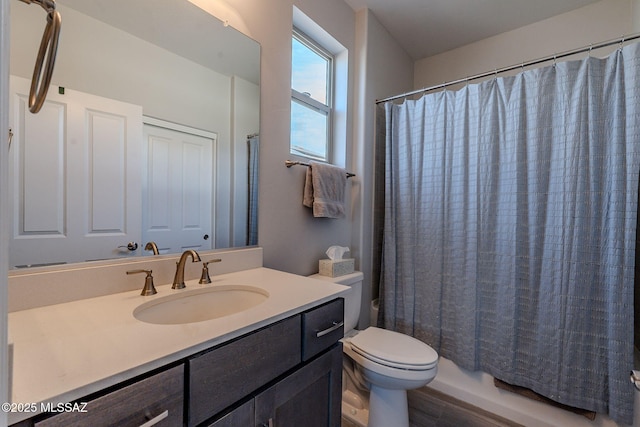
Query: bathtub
[(476, 388)]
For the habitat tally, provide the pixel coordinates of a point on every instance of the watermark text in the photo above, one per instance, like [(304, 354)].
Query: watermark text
[(44, 407)]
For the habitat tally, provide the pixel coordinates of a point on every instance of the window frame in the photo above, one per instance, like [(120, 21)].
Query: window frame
[(307, 101)]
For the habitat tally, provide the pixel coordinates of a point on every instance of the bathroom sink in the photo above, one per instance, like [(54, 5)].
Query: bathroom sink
[(197, 305)]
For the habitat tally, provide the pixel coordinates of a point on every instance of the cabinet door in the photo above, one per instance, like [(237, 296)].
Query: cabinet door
[(223, 376), (310, 397), (241, 416), (156, 399)]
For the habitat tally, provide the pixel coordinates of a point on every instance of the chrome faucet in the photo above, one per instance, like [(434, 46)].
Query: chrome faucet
[(178, 280)]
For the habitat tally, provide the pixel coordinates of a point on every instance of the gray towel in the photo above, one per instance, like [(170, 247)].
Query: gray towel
[(324, 190)]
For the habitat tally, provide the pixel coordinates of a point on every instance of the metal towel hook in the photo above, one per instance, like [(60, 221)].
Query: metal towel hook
[(43, 71)]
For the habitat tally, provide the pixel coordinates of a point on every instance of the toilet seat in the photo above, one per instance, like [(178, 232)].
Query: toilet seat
[(394, 350)]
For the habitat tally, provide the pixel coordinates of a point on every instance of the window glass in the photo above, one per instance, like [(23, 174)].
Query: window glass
[(311, 77), (309, 131), (309, 71)]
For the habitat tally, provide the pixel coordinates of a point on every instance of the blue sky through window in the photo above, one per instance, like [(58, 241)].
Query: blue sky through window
[(309, 72), (310, 81), (308, 131)]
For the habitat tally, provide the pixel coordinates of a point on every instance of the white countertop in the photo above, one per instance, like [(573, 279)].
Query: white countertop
[(66, 351)]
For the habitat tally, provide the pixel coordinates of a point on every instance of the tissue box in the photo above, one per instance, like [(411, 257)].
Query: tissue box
[(335, 268)]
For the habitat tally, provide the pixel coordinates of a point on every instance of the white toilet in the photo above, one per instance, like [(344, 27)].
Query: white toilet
[(385, 363)]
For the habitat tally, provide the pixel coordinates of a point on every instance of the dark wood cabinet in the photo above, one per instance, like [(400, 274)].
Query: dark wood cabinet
[(309, 397), (322, 327), (244, 415), (226, 374), (288, 373), (159, 398)]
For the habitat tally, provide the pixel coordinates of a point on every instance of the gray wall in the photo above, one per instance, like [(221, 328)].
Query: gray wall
[(386, 69), (292, 239)]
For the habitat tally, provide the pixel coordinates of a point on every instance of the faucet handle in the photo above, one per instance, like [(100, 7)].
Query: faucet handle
[(148, 289), (205, 271)]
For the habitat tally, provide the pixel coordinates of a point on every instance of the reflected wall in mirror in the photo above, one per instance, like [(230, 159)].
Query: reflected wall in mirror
[(149, 132)]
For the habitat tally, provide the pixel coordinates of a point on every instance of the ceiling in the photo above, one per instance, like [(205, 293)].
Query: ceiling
[(428, 27), (182, 28)]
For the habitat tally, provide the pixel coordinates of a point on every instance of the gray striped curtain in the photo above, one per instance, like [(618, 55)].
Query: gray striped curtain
[(253, 147), (510, 226)]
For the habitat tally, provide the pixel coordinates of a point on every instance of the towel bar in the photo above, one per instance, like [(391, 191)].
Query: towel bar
[(289, 163)]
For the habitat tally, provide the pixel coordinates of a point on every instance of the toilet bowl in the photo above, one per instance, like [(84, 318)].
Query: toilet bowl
[(381, 362)]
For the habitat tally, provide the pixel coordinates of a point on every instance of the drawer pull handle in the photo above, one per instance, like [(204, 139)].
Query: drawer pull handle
[(336, 325), (156, 420)]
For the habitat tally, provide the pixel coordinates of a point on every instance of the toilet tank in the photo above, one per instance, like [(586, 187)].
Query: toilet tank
[(352, 299)]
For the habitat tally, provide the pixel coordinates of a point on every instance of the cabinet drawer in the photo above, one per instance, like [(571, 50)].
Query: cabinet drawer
[(322, 327), (228, 373), (160, 396)]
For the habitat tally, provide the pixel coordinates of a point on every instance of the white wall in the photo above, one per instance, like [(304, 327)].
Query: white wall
[(4, 206), (601, 21), (113, 64), (383, 68), (292, 239)]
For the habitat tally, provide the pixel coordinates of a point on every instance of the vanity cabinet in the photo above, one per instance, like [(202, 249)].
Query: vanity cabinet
[(224, 375), (244, 415), (288, 373), (322, 327), (308, 396), (158, 398)]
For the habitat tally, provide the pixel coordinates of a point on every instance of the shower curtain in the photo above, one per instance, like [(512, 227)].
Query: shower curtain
[(253, 147), (510, 224)]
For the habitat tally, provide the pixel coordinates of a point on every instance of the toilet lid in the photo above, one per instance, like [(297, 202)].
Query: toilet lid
[(394, 349)]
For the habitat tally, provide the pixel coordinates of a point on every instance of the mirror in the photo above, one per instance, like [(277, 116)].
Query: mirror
[(181, 72)]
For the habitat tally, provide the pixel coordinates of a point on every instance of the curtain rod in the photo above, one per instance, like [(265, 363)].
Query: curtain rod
[(601, 45)]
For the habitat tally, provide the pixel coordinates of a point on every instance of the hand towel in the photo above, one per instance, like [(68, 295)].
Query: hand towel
[(324, 190)]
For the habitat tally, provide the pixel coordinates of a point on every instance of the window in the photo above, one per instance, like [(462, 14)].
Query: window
[(311, 98)]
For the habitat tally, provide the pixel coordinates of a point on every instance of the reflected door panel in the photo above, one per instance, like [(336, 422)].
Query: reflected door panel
[(177, 188), (73, 177)]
